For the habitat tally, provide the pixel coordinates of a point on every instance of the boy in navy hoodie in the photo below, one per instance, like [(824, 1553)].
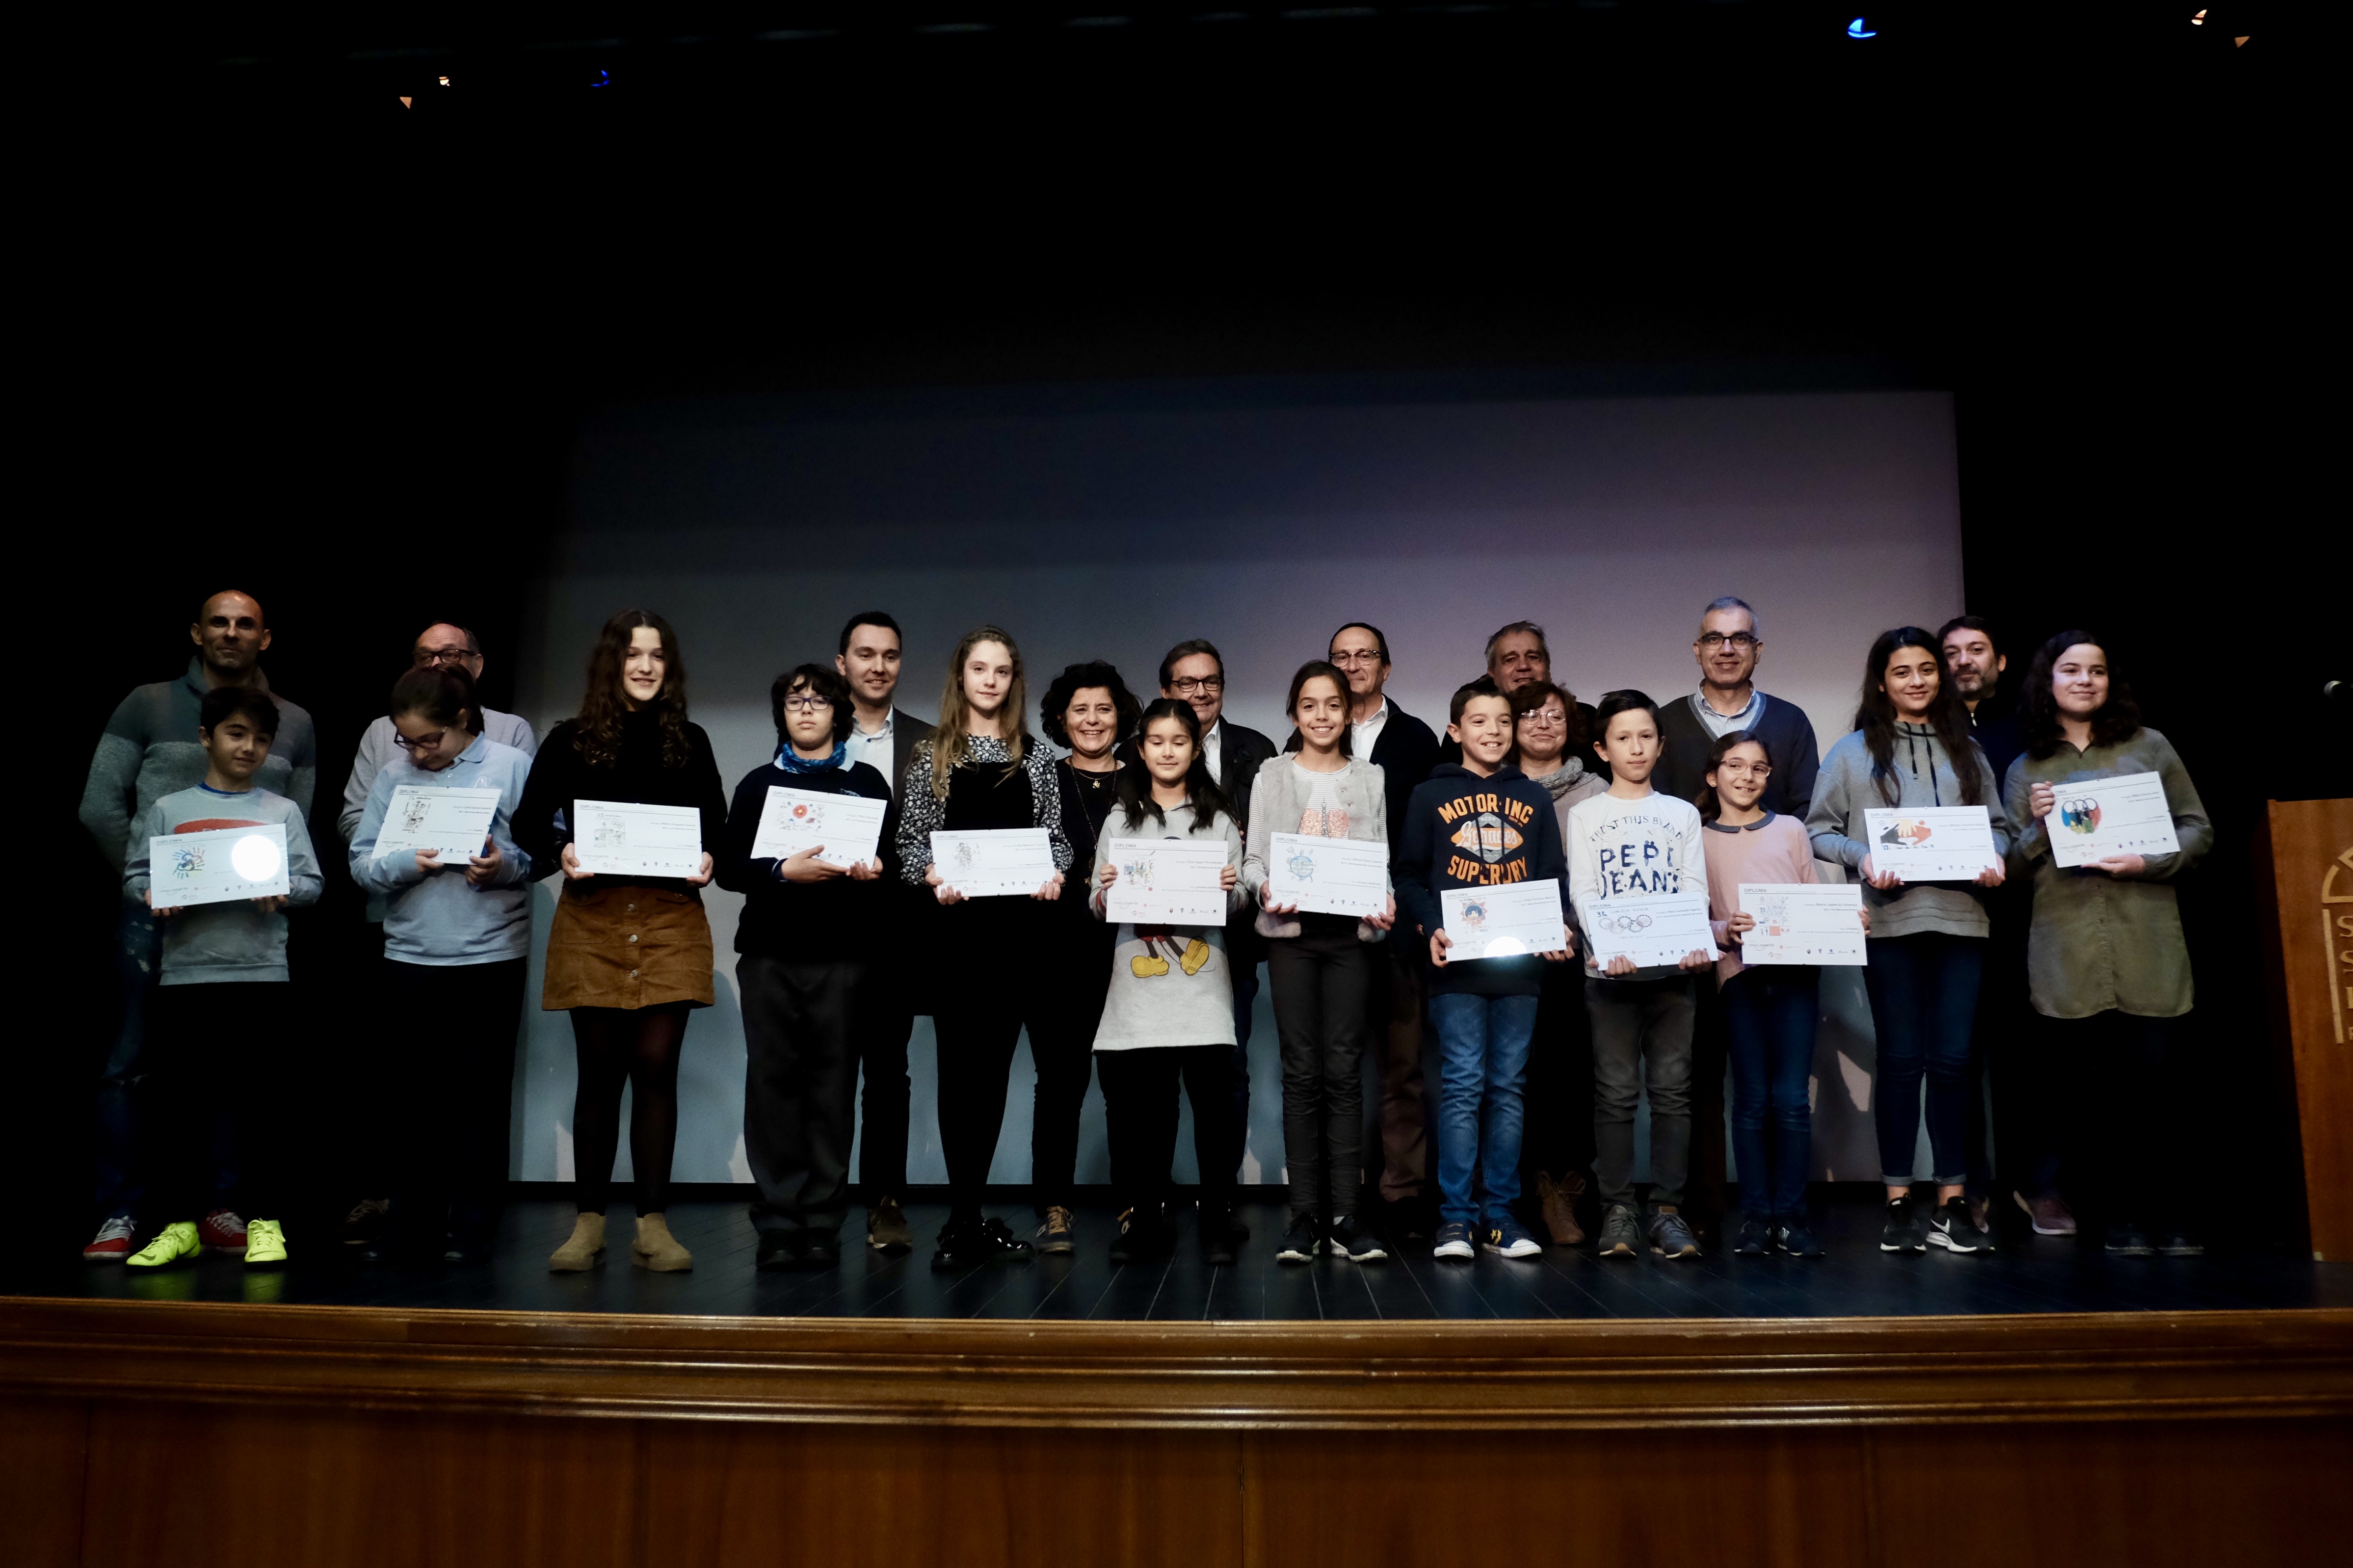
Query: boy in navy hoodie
[(1479, 824)]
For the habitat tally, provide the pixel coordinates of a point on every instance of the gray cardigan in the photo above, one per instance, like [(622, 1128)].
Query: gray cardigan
[(1277, 801), (1845, 790), (2100, 941)]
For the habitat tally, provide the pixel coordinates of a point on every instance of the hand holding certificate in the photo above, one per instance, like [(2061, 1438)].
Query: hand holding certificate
[(447, 825), (219, 866), (1803, 923), (2093, 820), (844, 829), (1328, 876), (1930, 843), (624, 838), (1652, 931), (1166, 881), (1505, 922), (992, 863)]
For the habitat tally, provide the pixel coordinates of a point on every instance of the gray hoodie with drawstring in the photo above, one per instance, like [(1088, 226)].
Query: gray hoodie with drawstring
[(1924, 774)]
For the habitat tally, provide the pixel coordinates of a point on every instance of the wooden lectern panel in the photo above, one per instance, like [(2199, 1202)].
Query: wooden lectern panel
[(2312, 878)]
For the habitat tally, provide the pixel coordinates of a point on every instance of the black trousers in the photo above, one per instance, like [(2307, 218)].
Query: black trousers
[(1140, 1121), (2117, 1122), (1558, 1134), (1322, 980), (976, 1039), (882, 1026), (800, 1077), (1061, 1044), (212, 1053), (450, 1099)]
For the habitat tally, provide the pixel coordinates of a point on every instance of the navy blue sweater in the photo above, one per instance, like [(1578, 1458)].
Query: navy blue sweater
[(1462, 830)]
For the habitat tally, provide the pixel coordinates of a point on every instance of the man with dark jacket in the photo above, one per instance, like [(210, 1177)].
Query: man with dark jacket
[(884, 739), (1405, 750), (1727, 648)]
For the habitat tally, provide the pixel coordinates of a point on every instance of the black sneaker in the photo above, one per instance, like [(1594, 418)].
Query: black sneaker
[(1621, 1231), (1302, 1238), (1218, 1247), (1955, 1230), (823, 1251), (778, 1249), (1904, 1231), (2175, 1242), (1798, 1240), (1143, 1237), (2126, 1239), (1755, 1238), (966, 1243), (1355, 1242)]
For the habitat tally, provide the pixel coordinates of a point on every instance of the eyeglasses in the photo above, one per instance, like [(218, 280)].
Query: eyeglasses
[(438, 656), (806, 704), (422, 742), (1743, 641), (1744, 770), (1350, 661), (1186, 685), (1545, 718)]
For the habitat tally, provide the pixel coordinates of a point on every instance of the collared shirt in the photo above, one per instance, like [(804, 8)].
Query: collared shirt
[(1716, 725), (1366, 734), (1213, 748), (873, 749)]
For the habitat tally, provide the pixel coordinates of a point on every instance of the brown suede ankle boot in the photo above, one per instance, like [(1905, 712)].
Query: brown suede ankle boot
[(586, 1245), (657, 1249)]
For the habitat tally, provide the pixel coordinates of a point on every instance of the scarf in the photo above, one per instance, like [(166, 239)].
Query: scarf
[(791, 761)]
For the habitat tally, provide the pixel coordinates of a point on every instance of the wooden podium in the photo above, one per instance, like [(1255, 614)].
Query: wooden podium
[(2312, 984)]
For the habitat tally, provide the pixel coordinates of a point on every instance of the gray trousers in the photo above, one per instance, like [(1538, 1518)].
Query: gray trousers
[(1642, 1040), (800, 1083)]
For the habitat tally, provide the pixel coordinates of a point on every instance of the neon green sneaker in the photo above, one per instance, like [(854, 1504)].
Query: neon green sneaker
[(265, 1244), (173, 1243)]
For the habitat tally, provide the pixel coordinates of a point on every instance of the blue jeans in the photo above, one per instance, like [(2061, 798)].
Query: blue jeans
[(1482, 1049), (137, 959), (1924, 1004), (1769, 1017)]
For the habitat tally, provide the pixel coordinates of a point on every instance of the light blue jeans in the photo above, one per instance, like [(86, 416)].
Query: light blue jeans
[(1482, 1047)]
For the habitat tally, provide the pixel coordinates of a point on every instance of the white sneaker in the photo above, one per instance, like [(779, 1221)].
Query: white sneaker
[(1454, 1241)]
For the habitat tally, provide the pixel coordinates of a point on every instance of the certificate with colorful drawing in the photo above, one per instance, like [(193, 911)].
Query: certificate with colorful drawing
[(994, 863), (1166, 882), (1655, 930), (1506, 922), (848, 827), (450, 825), (1328, 876), (1931, 844), (623, 838), (2095, 818), (217, 865), (1803, 923)]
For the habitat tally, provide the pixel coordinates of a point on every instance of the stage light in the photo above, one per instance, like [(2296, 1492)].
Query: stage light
[(1857, 29)]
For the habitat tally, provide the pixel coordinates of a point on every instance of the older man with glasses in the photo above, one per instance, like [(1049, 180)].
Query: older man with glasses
[(443, 645), (1728, 647)]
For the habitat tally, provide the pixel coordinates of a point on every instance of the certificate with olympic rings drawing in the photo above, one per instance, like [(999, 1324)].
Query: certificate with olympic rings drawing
[(1655, 930), (2095, 818)]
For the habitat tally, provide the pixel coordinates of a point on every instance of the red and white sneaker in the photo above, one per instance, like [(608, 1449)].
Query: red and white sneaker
[(113, 1243), (221, 1231)]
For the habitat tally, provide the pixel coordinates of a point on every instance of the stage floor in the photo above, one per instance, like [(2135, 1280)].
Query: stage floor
[(2030, 1274)]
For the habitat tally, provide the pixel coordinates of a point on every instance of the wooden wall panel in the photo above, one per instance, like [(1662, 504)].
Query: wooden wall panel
[(2312, 887), (42, 1448)]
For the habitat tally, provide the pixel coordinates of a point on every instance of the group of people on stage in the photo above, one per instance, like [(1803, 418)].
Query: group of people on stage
[(1544, 1056)]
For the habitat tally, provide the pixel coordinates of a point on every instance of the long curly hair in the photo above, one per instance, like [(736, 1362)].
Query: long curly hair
[(1947, 715), (2038, 710), (602, 707), (949, 751)]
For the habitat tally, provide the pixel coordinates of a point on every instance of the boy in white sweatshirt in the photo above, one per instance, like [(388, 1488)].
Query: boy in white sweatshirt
[(1633, 842)]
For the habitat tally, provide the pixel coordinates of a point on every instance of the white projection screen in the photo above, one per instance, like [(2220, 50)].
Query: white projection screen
[(1096, 522)]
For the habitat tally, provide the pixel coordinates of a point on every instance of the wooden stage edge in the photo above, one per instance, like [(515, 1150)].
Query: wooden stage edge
[(1501, 1377)]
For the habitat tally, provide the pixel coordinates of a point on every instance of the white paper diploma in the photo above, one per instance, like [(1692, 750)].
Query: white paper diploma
[(1328, 876), (1803, 923), (848, 826), (447, 825), (1931, 844), (1657, 928), (1505, 922), (2095, 818), (994, 863), (622, 838), (1166, 882), (217, 865)]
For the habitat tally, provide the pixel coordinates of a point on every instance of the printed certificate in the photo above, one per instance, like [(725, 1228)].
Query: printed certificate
[(1166, 882), (622, 838), (1804, 923), (1931, 844), (1654, 929), (2095, 818), (994, 863), (217, 865), (1328, 876), (449, 825), (848, 826), (1505, 922)]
